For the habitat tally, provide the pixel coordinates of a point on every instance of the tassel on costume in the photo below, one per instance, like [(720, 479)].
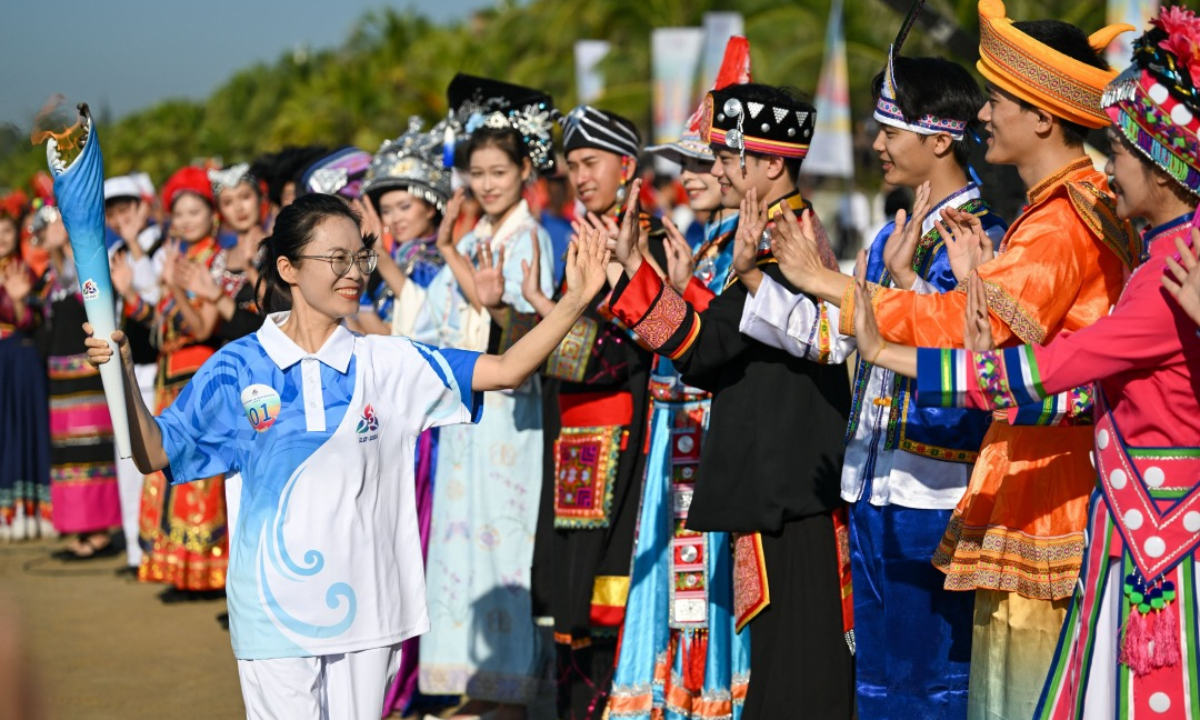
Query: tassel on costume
[(1166, 638), (694, 661), (1135, 649)]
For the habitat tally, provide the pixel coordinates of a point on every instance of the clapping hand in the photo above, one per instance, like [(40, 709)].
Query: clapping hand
[(171, 254), (17, 282), (587, 259), (54, 236), (794, 244), (902, 243), (122, 274), (489, 275), (197, 280), (967, 245), (680, 264), (977, 329), (445, 235), (625, 246), (531, 280), (752, 220), (1182, 276), (866, 329)]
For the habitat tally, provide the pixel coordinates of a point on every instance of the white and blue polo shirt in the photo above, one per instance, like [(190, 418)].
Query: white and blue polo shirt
[(326, 555)]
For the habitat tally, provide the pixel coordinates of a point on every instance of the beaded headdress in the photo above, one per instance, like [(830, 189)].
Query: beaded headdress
[(731, 120), (887, 109), (411, 162), (477, 102), (1155, 102), (231, 177)]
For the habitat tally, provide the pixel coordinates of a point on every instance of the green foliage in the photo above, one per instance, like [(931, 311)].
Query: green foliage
[(396, 64)]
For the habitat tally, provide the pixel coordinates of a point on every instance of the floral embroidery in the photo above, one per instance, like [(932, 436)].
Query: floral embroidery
[(989, 368), (996, 558), (663, 319), (585, 470), (751, 592), (570, 359), (1010, 311)]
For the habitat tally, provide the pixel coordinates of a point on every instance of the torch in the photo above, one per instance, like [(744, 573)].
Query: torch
[(79, 190)]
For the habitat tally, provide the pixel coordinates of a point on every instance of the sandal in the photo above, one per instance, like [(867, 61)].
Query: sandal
[(80, 549)]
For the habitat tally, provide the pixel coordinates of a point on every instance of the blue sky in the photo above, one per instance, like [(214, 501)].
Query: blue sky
[(127, 54)]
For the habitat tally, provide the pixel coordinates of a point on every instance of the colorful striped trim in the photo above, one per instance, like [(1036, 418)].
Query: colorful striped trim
[(693, 333), (941, 378), (889, 113), (762, 145), (1004, 380), (69, 367), (569, 360), (997, 558), (1073, 407)]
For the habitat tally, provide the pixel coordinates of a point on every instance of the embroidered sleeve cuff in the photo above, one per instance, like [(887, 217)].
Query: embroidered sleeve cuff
[(846, 317), (138, 311), (999, 380), (632, 297), (846, 320), (1073, 407)]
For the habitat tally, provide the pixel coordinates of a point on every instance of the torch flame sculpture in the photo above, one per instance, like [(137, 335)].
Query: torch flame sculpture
[(79, 190)]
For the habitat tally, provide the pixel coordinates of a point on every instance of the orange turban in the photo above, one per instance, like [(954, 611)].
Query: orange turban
[(1040, 75)]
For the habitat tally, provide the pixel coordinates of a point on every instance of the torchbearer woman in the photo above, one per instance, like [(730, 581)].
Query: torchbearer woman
[(322, 424)]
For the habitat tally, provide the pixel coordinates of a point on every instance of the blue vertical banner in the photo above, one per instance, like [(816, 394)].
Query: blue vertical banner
[(718, 28), (832, 150), (675, 60), (589, 78), (79, 192)]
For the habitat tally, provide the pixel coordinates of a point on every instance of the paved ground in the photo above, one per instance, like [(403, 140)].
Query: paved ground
[(105, 647)]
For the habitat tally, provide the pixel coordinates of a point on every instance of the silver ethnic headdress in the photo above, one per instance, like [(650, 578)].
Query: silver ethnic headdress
[(412, 162)]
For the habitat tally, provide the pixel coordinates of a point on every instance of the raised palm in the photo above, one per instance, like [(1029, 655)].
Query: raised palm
[(489, 277)]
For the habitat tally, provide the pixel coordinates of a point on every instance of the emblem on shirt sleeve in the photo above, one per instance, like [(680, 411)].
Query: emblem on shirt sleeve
[(261, 404)]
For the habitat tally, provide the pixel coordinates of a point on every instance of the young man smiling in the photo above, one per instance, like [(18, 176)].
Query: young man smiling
[(906, 467), (771, 456), (1016, 538), (594, 422)]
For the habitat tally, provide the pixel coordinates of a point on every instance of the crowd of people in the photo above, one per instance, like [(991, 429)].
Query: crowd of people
[(677, 499)]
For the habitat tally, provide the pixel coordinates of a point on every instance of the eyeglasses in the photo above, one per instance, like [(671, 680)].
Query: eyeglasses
[(340, 261)]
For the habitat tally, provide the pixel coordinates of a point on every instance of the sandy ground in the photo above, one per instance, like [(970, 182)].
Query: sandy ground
[(102, 646)]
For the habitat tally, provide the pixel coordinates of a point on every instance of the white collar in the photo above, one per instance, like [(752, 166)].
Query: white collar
[(336, 352), (499, 237), (957, 199)]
